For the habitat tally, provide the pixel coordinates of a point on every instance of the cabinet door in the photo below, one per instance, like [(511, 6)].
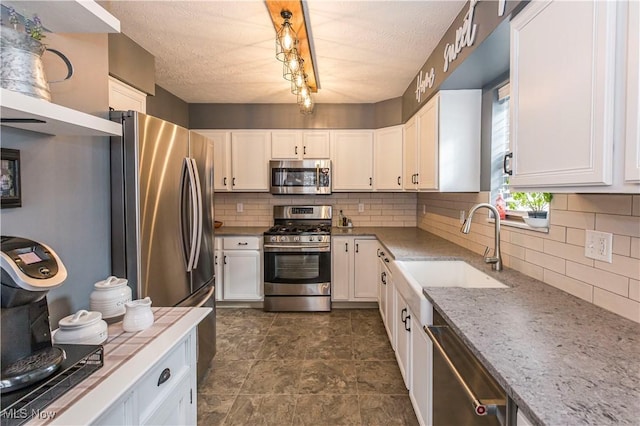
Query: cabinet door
[(365, 280), (123, 97), (346, 148), (218, 257), (410, 159), (315, 145), (403, 339), (427, 119), (285, 145), (241, 271), (387, 159), (221, 158), (421, 372), (178, 408), (341, 267), (119, 413), (562, 111), (390, 312), (250, 153), (632, 157)]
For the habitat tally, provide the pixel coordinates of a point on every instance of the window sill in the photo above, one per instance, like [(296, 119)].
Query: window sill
[(519, 224)]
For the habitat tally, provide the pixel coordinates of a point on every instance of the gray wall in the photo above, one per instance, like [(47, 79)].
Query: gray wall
[(488, 98), (130, 63), (65, 180), (167, 106)]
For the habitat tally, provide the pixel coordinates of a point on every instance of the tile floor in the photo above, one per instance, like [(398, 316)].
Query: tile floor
[(334, 368)]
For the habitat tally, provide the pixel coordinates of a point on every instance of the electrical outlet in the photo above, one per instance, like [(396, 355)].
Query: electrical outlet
[(360, 207), (462, 216), (597, 245), (239, 207)]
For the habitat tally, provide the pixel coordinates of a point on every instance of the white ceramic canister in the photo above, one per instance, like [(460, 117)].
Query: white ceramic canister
[(109, 296), (138, 315), (83, 327)]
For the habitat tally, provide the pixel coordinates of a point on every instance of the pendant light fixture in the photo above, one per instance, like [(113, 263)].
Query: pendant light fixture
[(290, 50)]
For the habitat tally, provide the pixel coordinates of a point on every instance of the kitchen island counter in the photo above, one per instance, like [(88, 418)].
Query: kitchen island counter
[(562, 360), (127, 357)]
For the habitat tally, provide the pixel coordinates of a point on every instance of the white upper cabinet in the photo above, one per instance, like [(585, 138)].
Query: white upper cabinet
[(37, 115), (352, 160), (316, 144), (632, 162), (123, 97), (563, 74), (387, 159), (442, 144), (298, 145), (250, 152), (221, 158)]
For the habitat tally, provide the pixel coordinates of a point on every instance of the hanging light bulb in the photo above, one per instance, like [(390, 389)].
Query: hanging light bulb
[(299, 80), (293, 65), (286, 38)]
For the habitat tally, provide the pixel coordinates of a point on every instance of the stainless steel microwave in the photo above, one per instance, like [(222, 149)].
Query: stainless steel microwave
[(300, 176)]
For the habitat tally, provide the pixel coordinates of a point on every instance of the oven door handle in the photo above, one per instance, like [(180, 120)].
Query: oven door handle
[(481, 408), (300, 248)]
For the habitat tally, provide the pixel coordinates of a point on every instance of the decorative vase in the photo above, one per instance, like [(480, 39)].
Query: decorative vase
[(21, 68)]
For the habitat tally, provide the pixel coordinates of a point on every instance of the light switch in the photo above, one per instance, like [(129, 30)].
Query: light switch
[(239, 207), (597, 245), (360, 207)]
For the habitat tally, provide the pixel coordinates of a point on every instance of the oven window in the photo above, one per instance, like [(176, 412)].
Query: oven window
[(303, 268)]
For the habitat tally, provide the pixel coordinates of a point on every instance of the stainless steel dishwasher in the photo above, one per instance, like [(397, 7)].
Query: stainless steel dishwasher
[(464, 393)]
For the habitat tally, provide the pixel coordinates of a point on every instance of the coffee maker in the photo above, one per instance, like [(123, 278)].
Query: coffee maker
[(29, 270)]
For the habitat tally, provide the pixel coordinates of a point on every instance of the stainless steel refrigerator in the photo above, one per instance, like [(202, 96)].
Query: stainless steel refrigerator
[(162, 219)]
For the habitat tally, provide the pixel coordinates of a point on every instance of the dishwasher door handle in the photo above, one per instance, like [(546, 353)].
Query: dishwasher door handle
[(481, 408)]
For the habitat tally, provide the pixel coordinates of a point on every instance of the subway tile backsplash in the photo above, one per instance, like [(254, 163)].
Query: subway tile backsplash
[(557, 258), (379, 209)]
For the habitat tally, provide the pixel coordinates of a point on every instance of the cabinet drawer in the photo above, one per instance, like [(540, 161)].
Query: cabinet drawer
[(171, 368), (241, 243)]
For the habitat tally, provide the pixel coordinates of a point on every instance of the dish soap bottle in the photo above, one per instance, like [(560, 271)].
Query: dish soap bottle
[(341, 218)]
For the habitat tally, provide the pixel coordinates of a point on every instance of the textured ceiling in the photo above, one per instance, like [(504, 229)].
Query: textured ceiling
[(224, 51)]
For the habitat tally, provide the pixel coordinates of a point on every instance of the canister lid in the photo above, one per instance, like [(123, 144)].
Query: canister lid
[(81, 318), (110, 283)]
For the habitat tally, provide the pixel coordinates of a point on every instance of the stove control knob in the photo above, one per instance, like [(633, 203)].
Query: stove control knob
[(284, 239), (296, 238), (311, 238), (273, 239)]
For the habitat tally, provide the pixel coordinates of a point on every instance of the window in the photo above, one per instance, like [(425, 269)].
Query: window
[(518, 204)]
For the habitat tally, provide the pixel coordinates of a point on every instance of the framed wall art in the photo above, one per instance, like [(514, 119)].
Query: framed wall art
[(10, 189)]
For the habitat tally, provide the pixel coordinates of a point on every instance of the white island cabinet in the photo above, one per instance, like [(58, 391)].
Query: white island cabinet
[(148, 377)]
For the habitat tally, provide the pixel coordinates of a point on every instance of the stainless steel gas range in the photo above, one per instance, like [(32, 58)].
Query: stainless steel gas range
[(297, 259)]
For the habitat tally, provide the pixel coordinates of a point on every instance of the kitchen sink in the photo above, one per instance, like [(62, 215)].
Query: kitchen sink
[(447, 273)]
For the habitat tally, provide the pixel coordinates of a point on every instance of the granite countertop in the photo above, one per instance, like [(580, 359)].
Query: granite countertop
[(563, 360)]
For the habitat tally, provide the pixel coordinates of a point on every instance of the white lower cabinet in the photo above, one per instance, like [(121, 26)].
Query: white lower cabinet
[(239, 269), (403, 338), (166, 393), (353, 279), (421, 370), (386, 298)]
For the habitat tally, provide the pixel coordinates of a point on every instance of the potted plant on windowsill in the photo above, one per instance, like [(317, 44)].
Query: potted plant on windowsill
[(535, 203)]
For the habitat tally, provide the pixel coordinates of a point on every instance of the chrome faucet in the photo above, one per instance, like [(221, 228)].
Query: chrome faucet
[(496, 259)]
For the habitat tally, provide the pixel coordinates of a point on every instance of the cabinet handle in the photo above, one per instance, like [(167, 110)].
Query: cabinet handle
[(224, 260), (399, 181), (357, 248), (378, 252), (224, 181), (164, 376), (215, 259), (417, 178), (295, 151), (386, 259), (346, 247), (304, 150), (370, 181), (506, 158), (383, 278), (243, 244), (402, 315), (407, 323), (233, 182)]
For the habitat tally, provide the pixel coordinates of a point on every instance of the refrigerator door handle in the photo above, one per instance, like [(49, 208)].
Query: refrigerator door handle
[(199, 208), (194, 212), (183, 214), (207, 297)]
